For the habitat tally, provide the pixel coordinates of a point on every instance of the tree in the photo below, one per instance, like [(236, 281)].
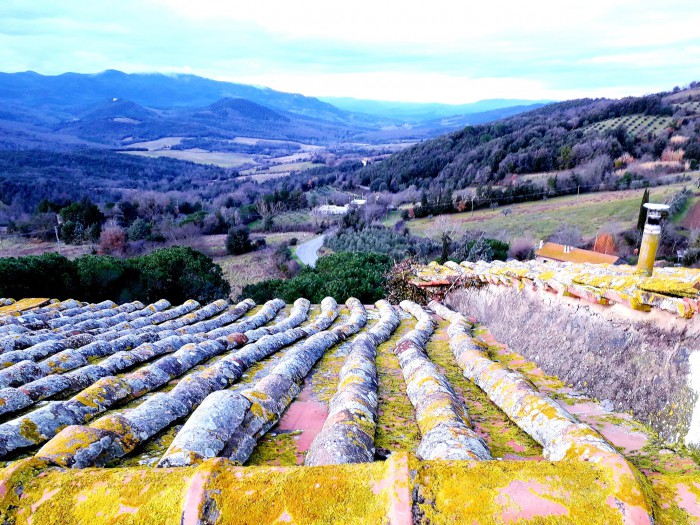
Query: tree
[(113, 241), (177, 274), (480, 248), (605, 243), (267, 210), (82, 222), (447, 228), (139, 230), (238, 241), (567, 235), (340, 275), (641, 221)]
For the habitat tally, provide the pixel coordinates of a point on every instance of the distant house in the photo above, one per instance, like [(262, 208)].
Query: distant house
[(551, 251), (330, 209)]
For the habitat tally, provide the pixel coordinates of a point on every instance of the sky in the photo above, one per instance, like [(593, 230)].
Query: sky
[(444, 51)]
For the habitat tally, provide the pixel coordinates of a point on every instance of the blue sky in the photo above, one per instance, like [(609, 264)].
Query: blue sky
[(429, 51)]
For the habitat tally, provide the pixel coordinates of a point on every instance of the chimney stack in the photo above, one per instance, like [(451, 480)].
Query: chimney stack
[(650, 239)]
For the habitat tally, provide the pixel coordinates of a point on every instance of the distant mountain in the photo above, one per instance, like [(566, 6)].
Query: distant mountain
[(115, 109), (238, 108), (119, 123), (73, 90), (119, 109), (412, 112)]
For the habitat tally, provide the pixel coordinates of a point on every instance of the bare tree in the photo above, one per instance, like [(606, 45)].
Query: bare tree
[(568, 235), (448, 229), (268, 209)]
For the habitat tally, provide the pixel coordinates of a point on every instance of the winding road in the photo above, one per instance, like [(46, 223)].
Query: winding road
[(308, 251)]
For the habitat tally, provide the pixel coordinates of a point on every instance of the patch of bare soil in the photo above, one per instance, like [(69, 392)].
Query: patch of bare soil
[(692, 220)]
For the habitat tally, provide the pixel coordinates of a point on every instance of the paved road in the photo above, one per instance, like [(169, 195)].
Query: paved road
[(307, 251)]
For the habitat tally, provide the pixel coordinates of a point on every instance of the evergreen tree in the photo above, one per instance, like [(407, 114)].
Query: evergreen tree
[(643, 211), (238, 241)]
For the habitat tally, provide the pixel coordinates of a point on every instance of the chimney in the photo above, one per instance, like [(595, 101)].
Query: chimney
[(650, 239), (541, 244)]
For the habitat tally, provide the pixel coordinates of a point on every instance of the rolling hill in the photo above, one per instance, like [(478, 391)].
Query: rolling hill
[(592, 137), (113, 108)]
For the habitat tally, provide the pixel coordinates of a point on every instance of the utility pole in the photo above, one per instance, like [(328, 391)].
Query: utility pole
[(578, 192), (58, 241)]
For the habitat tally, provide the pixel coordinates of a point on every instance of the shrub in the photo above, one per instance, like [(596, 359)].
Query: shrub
[(480, 249), (691, 257), (568, 235), (113, 241), (522, 249), (340, 275), (100, 278), (176, 274), (381, 240), (179, 273), (139, 230), (238, 240), (47, 275), (399, 287)]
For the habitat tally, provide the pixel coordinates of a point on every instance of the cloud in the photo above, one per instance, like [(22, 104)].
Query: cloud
[(441, 50)]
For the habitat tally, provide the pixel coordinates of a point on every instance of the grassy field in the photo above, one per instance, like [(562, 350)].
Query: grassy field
[(19, 246), (283, 168), (288, 219), (591, 212), (256, 266), (689, 217), (216, 158)]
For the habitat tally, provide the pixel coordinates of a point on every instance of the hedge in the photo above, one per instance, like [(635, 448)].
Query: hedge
[(176, 274)]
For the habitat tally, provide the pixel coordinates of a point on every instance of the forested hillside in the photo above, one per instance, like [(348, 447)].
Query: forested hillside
[(561, 136)]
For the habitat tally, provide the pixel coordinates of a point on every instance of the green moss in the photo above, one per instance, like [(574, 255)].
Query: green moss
[(503, 354), (502, 435), (580, 488), (325, 375), (348, 494), (277, 448), (135, 496), (150, 452), (396, 424), (13, 480), (29, 430), (667, 511)]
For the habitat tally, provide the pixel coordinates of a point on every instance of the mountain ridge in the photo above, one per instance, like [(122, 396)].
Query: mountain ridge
[(70, 90), (418, 111)]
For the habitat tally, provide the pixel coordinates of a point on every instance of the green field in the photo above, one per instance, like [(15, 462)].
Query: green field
[(216, 158), (635, 124), (286, 220), (590, 213)]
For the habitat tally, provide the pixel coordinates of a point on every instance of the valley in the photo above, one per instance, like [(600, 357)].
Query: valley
[(322, 263)]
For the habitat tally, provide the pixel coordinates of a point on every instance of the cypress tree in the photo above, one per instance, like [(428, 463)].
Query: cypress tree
[(643, 211)]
